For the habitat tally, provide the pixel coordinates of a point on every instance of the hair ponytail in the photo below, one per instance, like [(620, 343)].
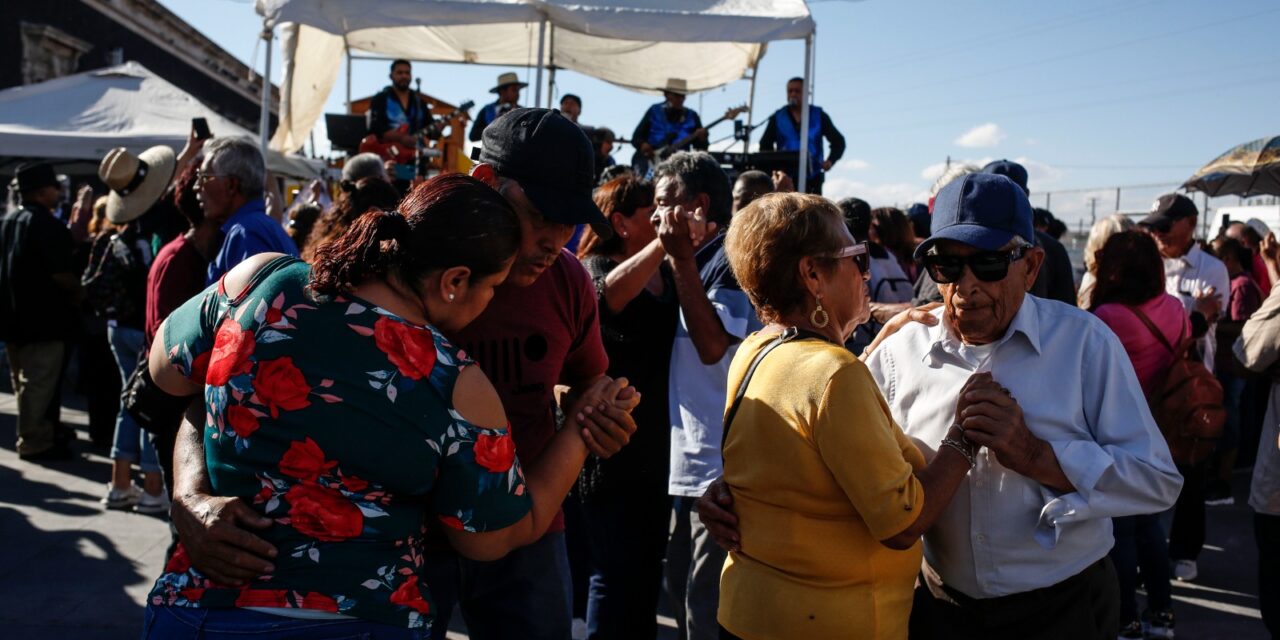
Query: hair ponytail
[(448, 221), (369, 249)]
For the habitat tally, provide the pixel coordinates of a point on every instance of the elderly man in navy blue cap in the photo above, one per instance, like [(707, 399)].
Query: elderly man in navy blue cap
[(1068, 441), (1057, 426), (1055, 281)]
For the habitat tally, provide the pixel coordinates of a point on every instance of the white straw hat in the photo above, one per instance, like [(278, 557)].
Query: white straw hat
[(136, 182)]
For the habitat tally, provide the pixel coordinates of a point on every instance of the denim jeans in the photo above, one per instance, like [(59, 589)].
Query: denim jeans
[(627, 536), (182, 623), (527, 594), (1140, 543), (131, 442)]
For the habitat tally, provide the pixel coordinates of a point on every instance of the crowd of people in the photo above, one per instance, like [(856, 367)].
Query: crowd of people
[(540, 392)]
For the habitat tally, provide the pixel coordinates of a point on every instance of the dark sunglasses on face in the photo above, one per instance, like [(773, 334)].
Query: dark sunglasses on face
[(861, 258), (987, 266)]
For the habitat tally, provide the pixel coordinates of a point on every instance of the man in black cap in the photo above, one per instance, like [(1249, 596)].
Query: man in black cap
[(539, 343), (1056, 281), (38, 288)]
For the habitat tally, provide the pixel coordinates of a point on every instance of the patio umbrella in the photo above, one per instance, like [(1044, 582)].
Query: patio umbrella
[(1250, 169)]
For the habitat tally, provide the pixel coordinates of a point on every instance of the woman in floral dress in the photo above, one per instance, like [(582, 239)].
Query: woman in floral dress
[(334, 404)]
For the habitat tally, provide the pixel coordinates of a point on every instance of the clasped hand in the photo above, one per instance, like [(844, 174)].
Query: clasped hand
[(991, 417), (681, 231)]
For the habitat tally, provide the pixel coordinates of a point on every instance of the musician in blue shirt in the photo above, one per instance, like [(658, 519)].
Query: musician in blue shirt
[(398, 112), (508, 91), (667, 123), (782, 134)]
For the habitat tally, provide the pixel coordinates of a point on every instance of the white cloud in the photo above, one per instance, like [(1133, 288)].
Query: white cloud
[(901, 194), (856, 164), (983, 135)]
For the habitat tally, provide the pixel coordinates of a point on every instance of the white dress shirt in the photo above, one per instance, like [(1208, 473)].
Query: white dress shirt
[(1193, 274), (1004, 533)]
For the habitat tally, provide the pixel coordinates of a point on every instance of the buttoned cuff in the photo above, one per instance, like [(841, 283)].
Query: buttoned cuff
[(1083, 462)]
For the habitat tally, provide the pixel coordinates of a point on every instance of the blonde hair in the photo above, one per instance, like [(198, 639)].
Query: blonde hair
[(1099, 233), (98, 222), (767, 240)]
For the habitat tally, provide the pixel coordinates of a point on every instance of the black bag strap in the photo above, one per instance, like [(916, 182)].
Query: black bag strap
[(1159, 335), (787, 335)]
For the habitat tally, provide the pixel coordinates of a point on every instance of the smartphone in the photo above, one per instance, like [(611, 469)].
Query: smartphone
[(201, 127)]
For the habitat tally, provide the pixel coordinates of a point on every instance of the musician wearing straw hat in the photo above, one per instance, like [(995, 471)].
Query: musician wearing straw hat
[(665, 123), (37, 309), (115, 286), (508, 90)]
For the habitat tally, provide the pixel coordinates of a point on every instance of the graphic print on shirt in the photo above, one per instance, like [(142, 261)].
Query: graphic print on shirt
[(505, 361)]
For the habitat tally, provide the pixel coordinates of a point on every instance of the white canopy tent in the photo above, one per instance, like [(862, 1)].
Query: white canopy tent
[(83, 116), (637, 44)]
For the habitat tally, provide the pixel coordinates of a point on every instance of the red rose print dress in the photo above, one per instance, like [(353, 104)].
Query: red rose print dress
[(334, 418)]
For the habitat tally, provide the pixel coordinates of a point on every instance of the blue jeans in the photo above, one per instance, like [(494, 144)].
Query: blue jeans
[(181, 623), (627, 536), (1140, 543), (131, 442), (527, 594)]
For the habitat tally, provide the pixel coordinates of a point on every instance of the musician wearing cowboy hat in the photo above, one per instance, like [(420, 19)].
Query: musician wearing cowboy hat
[(38, 290), (667, 122), (508, 90)]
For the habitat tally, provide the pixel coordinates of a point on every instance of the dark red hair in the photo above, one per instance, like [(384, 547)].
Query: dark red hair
[(451, 220)]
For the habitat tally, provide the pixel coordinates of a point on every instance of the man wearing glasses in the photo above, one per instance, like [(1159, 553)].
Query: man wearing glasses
[(231, 183), (1021, 551)]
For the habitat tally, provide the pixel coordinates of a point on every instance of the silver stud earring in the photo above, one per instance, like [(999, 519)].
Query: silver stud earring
[(451, 297)]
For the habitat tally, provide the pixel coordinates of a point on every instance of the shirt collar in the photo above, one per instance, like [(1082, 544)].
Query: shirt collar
[(1025, 323), (247, 209)]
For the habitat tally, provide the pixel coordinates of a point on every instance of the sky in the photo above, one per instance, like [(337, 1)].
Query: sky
[(1089, 95)]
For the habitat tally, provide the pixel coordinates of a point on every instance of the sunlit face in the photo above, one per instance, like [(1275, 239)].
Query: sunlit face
[(541, 240), (845, 295), (744, 195), (216, 193), (401, 76), (980, 312)]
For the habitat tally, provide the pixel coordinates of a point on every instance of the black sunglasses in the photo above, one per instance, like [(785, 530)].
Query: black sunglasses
[(987, 266), (861, 257)]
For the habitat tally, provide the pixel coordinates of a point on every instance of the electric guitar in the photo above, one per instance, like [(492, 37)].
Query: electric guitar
[(405, 154), (644, 165)]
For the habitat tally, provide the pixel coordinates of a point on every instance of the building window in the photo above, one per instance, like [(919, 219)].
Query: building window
[(49, 53)]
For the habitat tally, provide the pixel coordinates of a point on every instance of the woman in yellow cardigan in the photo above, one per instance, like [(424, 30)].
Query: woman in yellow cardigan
[(831, 497)]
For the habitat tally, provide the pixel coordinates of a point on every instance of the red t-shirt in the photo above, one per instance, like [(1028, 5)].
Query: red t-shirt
[(532, 338), (177, 274)]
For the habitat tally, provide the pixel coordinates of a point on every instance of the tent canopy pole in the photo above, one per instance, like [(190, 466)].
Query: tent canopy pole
[(264, 120), (537, 85), (751, 106), (802, 176), (347, 49)]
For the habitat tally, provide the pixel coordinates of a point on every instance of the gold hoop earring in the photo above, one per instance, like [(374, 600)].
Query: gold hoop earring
[(813, 317)]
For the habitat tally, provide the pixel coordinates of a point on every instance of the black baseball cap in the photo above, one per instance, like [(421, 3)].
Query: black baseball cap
[(552, 160), (1168, 209), (1011, 170)]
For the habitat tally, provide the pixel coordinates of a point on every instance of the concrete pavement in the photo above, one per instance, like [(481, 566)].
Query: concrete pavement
[(68, 568)]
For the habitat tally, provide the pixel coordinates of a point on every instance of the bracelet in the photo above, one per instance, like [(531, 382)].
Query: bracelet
[(959, 445)]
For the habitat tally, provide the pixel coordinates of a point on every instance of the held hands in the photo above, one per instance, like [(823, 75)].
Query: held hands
[(990, 417), (682, 232), (214, 531), (603, 414)]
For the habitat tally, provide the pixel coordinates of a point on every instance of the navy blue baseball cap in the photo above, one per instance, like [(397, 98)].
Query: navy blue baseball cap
[(1011, 170), (982, 210)]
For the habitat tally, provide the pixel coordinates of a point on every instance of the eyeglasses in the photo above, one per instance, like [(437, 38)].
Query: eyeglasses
[(861, 258), (987, 266), (202, 177)]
